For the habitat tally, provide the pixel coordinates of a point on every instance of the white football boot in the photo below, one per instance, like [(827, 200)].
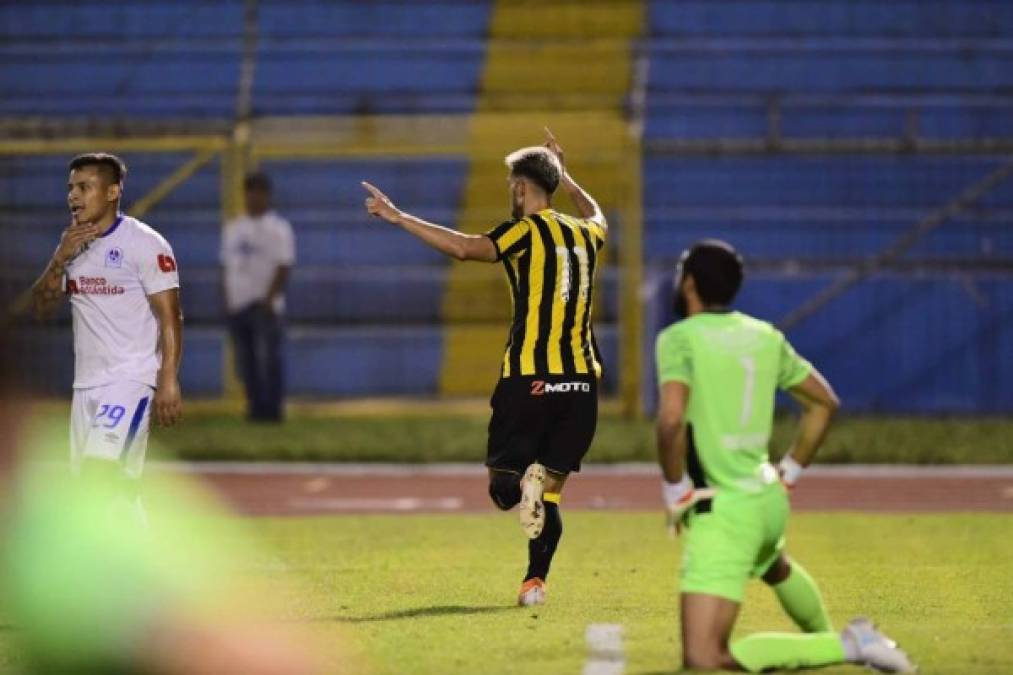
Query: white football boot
[(874, 649), (532, 593)]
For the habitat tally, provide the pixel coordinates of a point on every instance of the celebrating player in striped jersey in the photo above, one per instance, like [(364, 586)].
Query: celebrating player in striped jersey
[(718, 370), (545, 406), (123, 285)]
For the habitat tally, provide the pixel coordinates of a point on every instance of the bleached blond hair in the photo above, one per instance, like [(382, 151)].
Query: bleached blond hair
[(538, 164)]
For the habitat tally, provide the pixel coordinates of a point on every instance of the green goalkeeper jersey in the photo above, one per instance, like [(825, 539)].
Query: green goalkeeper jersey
[(733, 364)]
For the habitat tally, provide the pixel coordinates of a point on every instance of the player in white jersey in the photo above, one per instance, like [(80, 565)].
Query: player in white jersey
[(123, 285)]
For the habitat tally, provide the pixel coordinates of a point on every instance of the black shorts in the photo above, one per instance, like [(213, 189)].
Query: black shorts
[(545, 419)]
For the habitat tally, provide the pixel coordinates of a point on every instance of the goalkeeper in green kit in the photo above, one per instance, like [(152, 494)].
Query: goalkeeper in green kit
[(718, 371)]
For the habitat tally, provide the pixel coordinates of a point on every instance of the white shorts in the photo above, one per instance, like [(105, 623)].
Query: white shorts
[(111, 423)]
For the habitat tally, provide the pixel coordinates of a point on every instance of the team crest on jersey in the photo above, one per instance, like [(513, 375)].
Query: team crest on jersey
[(114, 257)]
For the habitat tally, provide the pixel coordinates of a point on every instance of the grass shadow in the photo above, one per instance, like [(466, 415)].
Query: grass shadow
[(417, 612)]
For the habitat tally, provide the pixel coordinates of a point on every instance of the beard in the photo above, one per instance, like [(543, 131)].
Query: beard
[(516, 209), (679, 305)]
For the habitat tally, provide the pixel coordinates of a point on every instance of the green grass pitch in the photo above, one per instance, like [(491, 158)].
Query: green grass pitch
[(434, 594), (462, 438)]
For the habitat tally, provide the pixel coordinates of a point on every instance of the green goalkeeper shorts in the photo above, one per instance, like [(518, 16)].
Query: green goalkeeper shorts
[(738, 538)]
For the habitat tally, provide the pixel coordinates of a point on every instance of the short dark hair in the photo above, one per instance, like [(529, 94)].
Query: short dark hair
[(716, 268), (111, 165), (538, 165), (259, 182)]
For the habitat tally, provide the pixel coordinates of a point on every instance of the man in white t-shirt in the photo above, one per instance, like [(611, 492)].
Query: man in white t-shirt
[(258, 251), (123, 285)]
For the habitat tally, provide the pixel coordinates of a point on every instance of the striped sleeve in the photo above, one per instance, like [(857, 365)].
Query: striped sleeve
[(596, 231), (510, 237)]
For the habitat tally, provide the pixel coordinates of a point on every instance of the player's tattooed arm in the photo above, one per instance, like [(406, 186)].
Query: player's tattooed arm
[(47, 291), (168, 401), (458, 245)]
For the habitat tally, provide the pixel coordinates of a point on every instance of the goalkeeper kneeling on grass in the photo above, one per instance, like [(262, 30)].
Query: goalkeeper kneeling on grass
[(718, 371)]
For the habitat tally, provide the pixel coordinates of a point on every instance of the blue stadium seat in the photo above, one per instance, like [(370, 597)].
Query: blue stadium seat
[(142, 59), (843, 48), (890, 344), (343, 239), (442, 19), (819, 238), (47, 362), (367, 79), (831, 18), (689, 119), (361, 361), (181, 59), (347, 57), (815, 68), (821, 207), (117, 21), (937, 340), (834, 182), (417, 183)]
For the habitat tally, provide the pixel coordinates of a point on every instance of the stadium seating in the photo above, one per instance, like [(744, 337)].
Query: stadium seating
[(379, 309), (355, 278), (833, 70), (377, 60), (128, 59), (819, 207), (142, 58), (893, 343)]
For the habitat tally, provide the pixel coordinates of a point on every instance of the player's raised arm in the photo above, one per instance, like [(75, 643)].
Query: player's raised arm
[(449, 242), (47, 291), (585, 203), (168, 401), (819, 404)]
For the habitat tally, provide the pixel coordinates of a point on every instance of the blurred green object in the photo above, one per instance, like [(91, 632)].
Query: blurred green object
[(87, 581)]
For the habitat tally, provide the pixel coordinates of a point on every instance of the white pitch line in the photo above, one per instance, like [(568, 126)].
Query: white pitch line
[(398, 504), (604, 649), (322, 468), (620, 469)]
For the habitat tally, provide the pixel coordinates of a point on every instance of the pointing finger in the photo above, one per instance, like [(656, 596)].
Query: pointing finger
[(373, 190)]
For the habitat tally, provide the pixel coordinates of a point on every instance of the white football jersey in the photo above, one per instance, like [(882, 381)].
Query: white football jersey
[(115, 331), (252, 250)]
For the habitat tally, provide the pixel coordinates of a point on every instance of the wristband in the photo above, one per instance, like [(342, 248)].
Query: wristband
[(790, 470), (673, 493)]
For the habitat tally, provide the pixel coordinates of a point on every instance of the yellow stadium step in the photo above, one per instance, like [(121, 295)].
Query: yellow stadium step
[(560, 55), (565, 65), (562, 19)]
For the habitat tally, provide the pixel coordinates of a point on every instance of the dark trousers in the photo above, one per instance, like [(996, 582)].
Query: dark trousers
[(257, 337)]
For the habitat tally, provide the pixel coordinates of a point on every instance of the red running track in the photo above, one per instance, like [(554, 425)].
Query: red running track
[(262, 490)]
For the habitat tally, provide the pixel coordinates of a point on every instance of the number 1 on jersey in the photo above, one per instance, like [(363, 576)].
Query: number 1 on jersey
[(747, 389), (583, 276)]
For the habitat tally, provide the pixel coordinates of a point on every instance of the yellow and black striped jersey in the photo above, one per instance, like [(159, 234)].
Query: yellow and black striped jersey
[(550, 260)]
